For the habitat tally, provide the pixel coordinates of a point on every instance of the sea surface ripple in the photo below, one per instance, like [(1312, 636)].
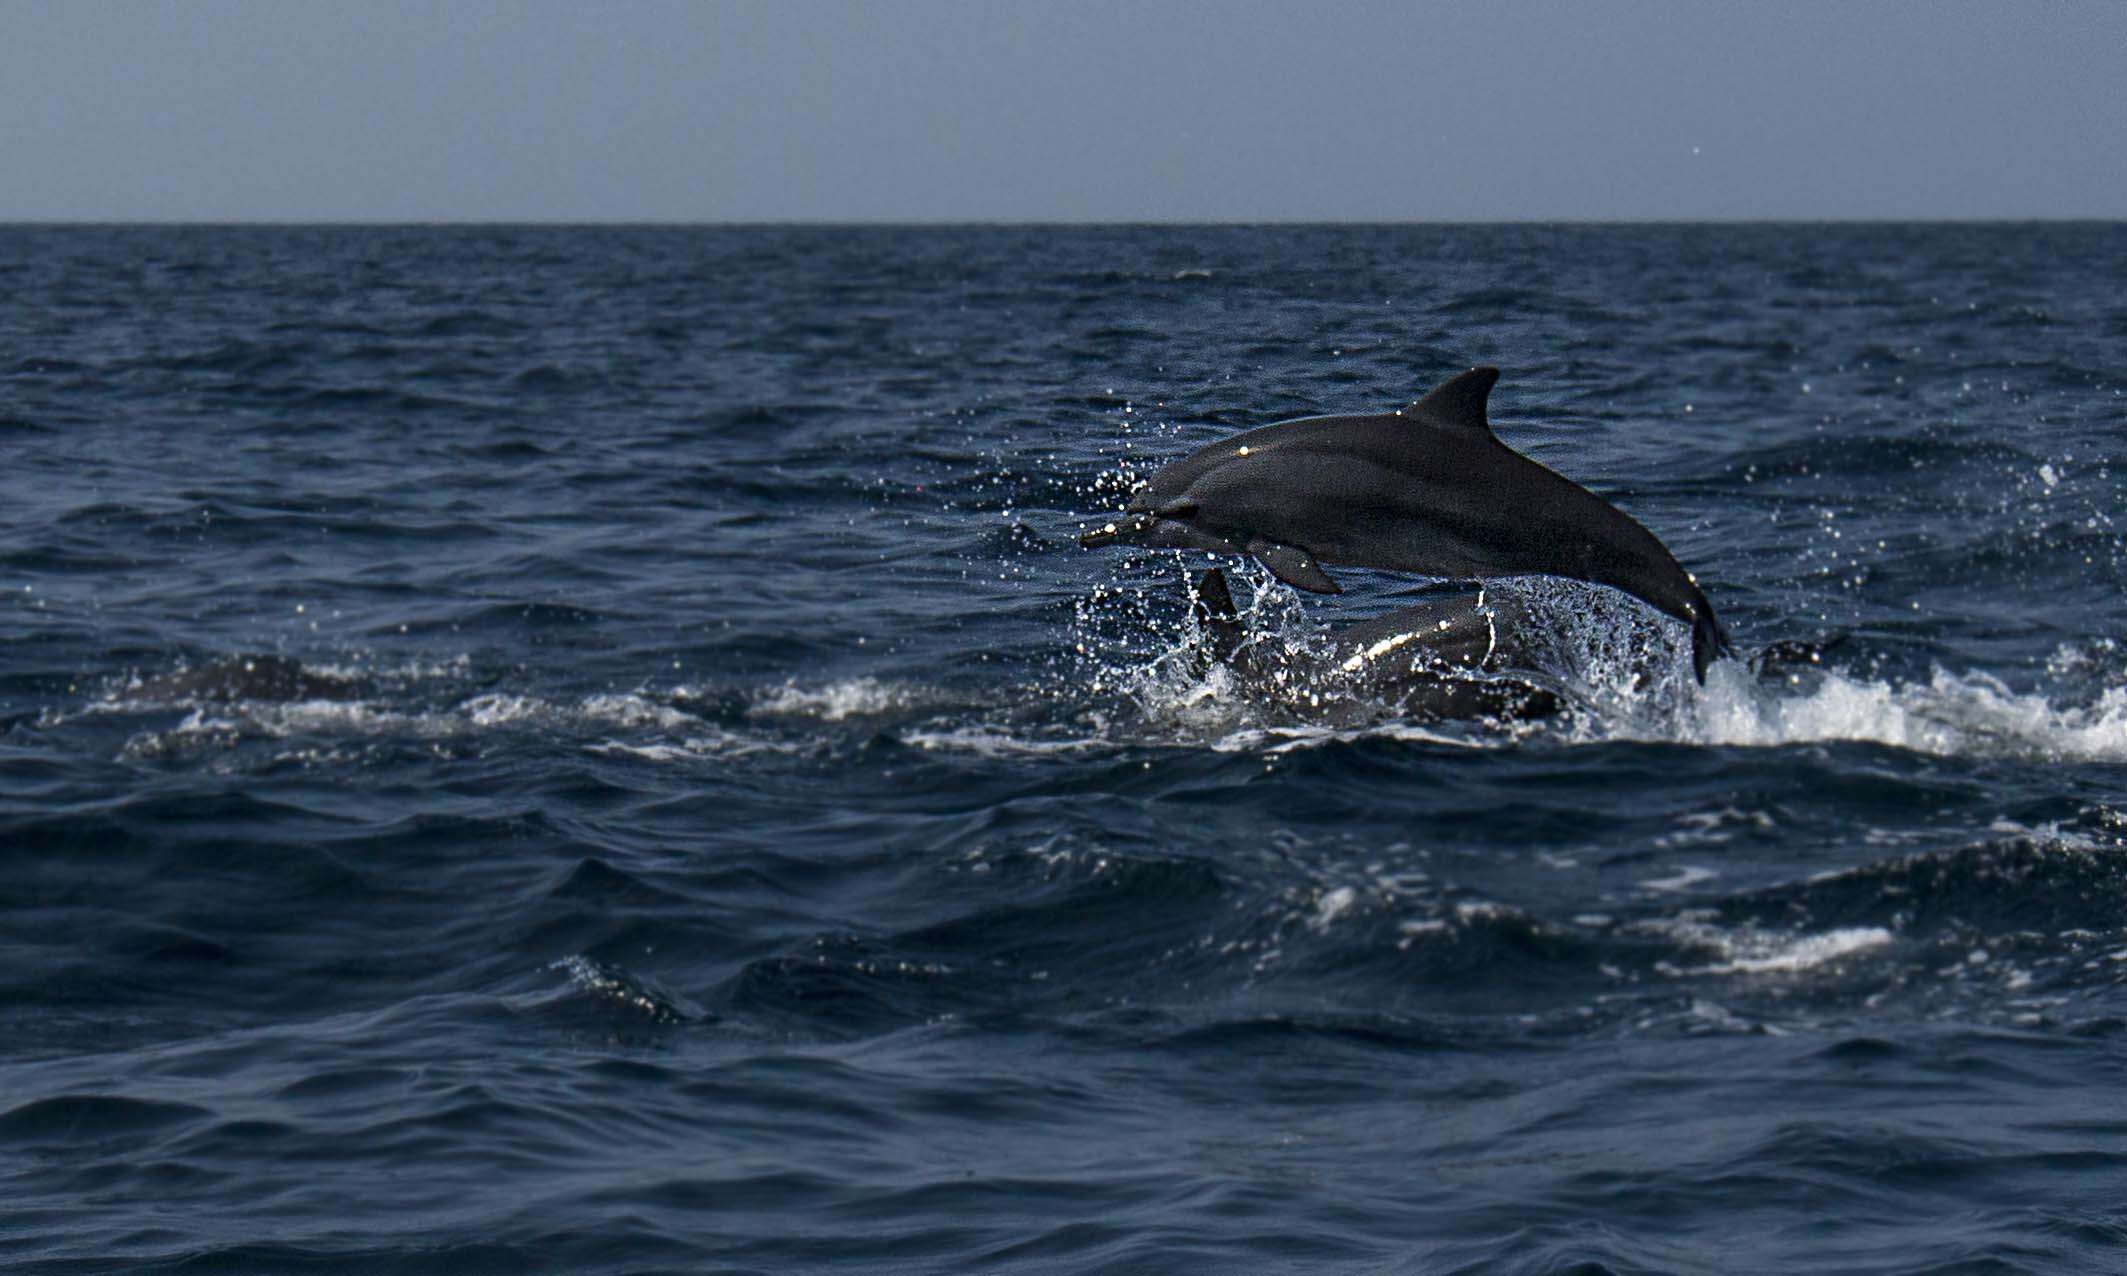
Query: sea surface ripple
[(761, 840)]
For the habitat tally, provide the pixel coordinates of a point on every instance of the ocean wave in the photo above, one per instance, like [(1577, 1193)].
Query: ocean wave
[(1951, 714), (765, 840)]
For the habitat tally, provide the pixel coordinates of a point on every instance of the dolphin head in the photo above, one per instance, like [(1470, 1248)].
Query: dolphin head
[(1161, 515)]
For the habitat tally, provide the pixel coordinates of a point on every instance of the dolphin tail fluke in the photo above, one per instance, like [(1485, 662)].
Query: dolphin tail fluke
[(1709, 642), (1216, 617)]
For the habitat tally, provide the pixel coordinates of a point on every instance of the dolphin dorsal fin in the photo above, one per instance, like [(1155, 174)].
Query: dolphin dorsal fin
[(1458, 402)]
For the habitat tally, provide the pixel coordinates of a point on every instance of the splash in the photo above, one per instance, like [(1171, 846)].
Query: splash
[(609, 984), (1951, 714), (1628, 674), (1300, 691)]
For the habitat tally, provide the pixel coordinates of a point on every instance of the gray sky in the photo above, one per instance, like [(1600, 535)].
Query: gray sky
[(1139, 110)]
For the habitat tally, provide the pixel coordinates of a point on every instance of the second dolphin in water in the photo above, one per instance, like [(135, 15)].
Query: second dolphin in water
[(1457, 657), (1427, 490)]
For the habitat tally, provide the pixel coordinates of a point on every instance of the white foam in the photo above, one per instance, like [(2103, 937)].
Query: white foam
[(228, 724), (1482, 910), (705, 742), (1750, 951), (1686, 877), (1950, 714), (410, 670), (636, 711), (1274, 740), (998, 744), (1331, 905), (840, 701), (1808, 951), (1632, 666), (494, 709), (223, 726), (647, 752), (1703, 1015), (458, 666)]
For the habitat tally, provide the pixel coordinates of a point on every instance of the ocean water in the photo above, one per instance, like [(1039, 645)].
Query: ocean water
[(757, 838)]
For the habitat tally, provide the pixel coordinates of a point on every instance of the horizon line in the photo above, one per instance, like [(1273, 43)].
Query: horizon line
[(1040, 223)]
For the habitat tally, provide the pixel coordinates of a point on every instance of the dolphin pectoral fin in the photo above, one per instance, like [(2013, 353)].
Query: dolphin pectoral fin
[(1295, 566)]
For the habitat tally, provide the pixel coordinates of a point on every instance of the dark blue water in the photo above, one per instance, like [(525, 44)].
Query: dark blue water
[(762, 840)]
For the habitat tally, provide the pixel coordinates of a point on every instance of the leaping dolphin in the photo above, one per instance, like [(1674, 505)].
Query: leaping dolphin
[(1427, 490)]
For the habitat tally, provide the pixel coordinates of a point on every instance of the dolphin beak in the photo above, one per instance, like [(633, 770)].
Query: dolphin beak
[(1130, 526)]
